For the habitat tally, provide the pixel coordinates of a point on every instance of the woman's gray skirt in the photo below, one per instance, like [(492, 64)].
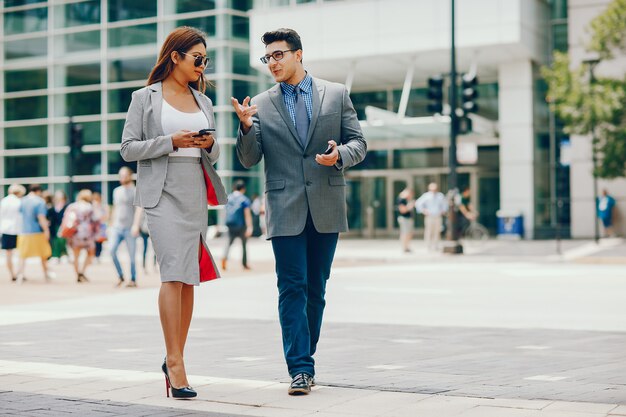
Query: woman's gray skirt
[(178, 223)]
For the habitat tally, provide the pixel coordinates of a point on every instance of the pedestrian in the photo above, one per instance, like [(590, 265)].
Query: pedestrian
[(238, 221), (256, 208), (404, 208), (466, 208), (34, 239), (144, 234), (167, 132), (86, 222), (102, 213), (308, 132), (55, 217), (124, 225), (11, 223), (606, 204), (433, 205)]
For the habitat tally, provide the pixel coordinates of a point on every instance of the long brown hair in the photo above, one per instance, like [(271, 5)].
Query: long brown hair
[(180, 40)]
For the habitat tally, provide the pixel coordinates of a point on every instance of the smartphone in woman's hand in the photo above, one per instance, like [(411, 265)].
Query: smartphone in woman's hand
[(203, 132)]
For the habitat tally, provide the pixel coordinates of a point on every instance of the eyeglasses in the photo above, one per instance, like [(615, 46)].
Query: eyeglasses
[(198, 59), (277, 55)]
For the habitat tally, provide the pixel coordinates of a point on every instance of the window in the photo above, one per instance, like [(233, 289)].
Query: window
[(243, 5), (241, 62), (74, 75), (77, 42), (418, 158), (205, 24), (89, 163), (26, 108), (116, 127), (124, 10), (362, 100), (119, 100), (25, 166), (22, 80), (240, 27), (25, 137), (133, 35), (26, 21), (77, 14), (78, 104), (131, 69), (25, 48), (186, 6)]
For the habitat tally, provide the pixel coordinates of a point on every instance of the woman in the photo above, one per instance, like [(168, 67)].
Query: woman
[(86, 222), (55, 216), (11, 223), (175, 180)]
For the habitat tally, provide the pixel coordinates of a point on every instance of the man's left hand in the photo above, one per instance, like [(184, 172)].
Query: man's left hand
[(330, 159)]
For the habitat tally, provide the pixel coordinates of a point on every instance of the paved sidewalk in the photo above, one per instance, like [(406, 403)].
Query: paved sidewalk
[(69, 349)]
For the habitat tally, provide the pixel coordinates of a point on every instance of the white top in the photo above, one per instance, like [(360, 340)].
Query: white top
[(173, 120), (10, 216)]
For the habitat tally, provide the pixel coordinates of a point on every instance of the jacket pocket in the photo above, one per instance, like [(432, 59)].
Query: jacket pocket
[(336, 180), (145, 163), (274, 185)]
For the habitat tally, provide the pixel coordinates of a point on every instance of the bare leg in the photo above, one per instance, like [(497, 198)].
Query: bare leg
[(186, 314), (171, 319), (76, 252), (9, 253), (90, 254)]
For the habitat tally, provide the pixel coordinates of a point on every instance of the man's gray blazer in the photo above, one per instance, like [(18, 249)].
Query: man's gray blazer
[(294, 183), (143, 140)]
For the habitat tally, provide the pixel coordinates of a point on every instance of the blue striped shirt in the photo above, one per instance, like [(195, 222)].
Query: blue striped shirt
[(289, 95)]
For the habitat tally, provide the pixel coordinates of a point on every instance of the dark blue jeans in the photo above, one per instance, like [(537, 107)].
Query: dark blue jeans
[(302, 266)]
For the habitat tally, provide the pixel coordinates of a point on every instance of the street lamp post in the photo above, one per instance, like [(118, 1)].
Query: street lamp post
[(453, 245), (591, 64)]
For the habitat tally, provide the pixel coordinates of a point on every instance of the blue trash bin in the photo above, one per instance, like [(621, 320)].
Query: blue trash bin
[(510, 224)]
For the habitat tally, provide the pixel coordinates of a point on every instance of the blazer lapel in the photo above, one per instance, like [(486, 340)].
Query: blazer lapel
[(318, 97), (276, 96), (156, 98)]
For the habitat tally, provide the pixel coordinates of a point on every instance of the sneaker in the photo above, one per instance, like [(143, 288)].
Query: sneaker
[(224, 264), (131, 284), (82, 278), (300, 384), (50, 276), (120, 282)]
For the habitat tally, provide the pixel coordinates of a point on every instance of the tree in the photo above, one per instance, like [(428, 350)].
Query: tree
[(595, 106)]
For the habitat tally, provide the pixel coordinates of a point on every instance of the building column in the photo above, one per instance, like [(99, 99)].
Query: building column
[(515, 82)]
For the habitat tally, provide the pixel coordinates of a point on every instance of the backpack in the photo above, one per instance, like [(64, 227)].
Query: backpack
[(234, 210)]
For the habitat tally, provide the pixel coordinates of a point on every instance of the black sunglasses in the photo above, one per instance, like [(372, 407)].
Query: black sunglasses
[(198, 59)]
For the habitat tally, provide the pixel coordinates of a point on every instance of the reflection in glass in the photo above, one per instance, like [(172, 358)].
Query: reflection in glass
[(186, 6), (25, 48), (22, 80), (241, 62), (131, 69), (77, 42), (124, 9), (25, 137), (119, 100), (26, 21), (25, 166), (89, 163), (77, 14), (205, 24), (240, 27), (26, 108), (133, 35), (81, 74)]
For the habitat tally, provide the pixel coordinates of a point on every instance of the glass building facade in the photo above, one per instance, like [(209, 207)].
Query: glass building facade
[(83, 59)]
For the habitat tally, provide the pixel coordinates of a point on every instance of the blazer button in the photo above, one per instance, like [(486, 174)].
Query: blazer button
[(308, 183)]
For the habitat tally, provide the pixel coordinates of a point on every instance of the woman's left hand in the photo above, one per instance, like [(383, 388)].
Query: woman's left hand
[(204, 142)]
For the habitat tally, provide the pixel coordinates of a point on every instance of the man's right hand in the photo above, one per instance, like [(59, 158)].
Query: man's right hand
[(245, 112)]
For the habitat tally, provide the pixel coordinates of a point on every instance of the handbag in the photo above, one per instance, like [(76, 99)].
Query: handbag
[(101, 235), (69, 225)]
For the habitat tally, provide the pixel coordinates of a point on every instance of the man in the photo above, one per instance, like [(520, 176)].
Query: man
[(605, 212), (308, 132), (238, 221), (433, 205), (125, 224), (11, 223), (404, 208), (33, 241)]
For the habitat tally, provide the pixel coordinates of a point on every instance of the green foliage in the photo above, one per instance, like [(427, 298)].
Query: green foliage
[(594, 106)]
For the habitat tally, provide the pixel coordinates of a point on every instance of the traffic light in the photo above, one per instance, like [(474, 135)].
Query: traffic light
[(469, 93), (435, 94), (76, 140)]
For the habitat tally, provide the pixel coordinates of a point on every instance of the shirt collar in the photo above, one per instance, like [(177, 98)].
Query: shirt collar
[(305, 85)]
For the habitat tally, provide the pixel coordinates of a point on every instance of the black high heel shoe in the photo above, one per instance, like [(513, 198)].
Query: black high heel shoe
[(184, 392)]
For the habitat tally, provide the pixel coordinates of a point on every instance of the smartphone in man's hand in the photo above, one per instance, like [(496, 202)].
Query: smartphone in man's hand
[(203, 132), (329, 150)]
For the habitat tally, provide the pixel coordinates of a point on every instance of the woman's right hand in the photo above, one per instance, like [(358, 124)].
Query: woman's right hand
[(183, 139)]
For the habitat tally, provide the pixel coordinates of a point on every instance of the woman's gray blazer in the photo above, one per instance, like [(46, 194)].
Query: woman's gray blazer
[(143, 141)]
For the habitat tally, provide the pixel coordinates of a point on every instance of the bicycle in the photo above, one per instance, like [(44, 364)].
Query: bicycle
[(475, 231)]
